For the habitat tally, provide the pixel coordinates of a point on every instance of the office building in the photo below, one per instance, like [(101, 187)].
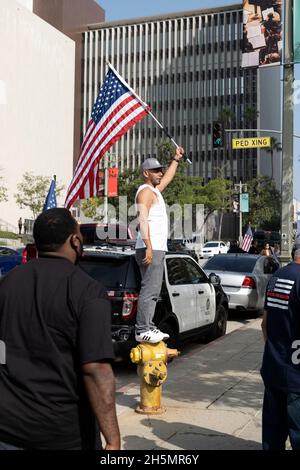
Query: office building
[(187, 67)]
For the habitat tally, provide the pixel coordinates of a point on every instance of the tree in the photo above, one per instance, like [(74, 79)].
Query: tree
[(217, 196), (32, 192), (226, 115), (3, 191), (277, 147), (265, 204), (250, 115)]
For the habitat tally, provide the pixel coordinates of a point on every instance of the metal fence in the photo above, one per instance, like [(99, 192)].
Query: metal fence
[(6, 227)]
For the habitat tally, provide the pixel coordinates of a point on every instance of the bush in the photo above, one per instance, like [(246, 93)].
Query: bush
[(10, 235)]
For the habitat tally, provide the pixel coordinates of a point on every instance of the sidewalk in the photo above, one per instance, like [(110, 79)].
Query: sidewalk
[(213, 398)]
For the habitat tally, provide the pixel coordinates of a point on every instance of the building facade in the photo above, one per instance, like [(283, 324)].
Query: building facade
[(36, 102), (187, 67)]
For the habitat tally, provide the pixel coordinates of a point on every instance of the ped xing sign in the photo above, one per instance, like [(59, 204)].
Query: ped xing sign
[(251, 143)]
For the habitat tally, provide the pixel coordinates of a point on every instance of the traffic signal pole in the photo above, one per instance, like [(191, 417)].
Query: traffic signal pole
[(287, 136)]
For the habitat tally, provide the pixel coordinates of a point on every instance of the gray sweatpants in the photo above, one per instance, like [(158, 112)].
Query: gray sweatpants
[(152, 276)]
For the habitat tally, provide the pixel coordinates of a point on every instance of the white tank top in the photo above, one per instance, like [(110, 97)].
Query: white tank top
[(157, 220)]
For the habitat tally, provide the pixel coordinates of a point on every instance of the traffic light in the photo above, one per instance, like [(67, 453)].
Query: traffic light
[(218, 134)]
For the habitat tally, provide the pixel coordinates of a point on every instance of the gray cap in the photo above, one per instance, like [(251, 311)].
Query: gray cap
[(151, 164)]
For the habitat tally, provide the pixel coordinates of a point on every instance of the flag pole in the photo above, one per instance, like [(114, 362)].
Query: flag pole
[(146, 107)]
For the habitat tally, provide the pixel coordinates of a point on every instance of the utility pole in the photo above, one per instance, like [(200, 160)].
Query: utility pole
[(240, 188), (105, 200), (287, 135)]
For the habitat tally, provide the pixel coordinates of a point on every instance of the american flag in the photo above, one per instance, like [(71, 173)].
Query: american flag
[(247, 240), (115, 111), (278, 293), (50, 201)]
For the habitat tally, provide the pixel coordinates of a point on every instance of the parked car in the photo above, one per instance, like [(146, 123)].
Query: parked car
[(190, 303), (180, 245), (9, 258), (244, 278), (213, 248)]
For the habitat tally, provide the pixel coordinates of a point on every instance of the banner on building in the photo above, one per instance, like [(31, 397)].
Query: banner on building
[(113, 182), (262, 33), (244, 202), (296, 31), (101, 176)]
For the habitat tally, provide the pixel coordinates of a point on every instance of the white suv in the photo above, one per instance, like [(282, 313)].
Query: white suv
[(214, 248)]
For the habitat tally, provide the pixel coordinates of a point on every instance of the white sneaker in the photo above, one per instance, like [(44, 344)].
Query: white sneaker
[(166, 336), (151, 336)]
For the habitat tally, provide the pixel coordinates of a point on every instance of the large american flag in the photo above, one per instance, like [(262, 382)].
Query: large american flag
[(247, 240), (116, 110), (278, 293)]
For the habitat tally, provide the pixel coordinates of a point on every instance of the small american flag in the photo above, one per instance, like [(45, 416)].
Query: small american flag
[(115, 111), (247, 240), (50, 201), (278, 293)]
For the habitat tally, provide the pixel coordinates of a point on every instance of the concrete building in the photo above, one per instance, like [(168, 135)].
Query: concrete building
[(37, 101), (40, 74), (187, 67)]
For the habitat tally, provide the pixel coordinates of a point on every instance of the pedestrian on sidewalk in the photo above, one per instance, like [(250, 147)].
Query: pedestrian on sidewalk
[(55, 324), (151, 244), (281, 360), (20, 225)]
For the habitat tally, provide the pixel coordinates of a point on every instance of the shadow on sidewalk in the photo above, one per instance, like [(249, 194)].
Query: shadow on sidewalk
[(182, 436)]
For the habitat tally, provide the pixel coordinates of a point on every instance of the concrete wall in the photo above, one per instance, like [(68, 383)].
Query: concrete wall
[(72, 17), (270, 118), (37, 101), (26, 3)]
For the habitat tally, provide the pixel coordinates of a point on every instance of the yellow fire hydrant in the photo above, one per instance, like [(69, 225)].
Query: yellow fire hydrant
[(152, 370)]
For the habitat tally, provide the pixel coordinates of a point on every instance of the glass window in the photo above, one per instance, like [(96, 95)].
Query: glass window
[(195, 273), (177, 272)]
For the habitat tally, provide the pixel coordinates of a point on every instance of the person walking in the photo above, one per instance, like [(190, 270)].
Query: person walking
[(20, 225), (151, 243), (266, 251), (57, 387), (281, 360)]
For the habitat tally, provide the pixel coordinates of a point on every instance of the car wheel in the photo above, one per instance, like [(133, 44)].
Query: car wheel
[(220, 324), (168, 328)]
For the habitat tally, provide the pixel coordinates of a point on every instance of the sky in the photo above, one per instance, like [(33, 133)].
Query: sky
[(125, 9)]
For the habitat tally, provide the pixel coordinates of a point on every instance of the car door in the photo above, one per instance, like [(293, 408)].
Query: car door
[(223, 248), (7, 259), (181, 292), (204, 292)]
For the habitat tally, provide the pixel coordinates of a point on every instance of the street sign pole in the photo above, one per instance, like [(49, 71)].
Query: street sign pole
[(287, 136)]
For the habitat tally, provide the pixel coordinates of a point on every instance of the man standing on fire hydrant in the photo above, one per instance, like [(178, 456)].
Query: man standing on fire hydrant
[(151, 244)]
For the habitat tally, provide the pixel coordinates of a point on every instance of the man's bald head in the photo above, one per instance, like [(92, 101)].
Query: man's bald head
[(296, 256)]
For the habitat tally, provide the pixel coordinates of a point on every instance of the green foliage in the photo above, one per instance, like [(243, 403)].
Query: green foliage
[(32, 192), (250, 114), (265, 204), (9, 235), (3, 191), (90, 207)]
